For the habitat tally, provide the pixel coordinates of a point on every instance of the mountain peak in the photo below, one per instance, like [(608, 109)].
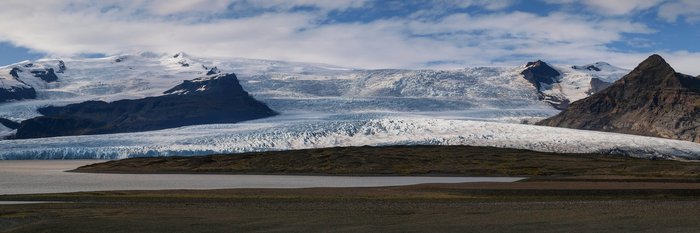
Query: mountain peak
[(653, 72), (655, 62), (542, 76), (541, 69), (652, 100), (226, 83), (180, 55), (536, 63)]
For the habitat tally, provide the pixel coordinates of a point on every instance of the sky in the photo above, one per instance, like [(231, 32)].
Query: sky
[(439, 34)]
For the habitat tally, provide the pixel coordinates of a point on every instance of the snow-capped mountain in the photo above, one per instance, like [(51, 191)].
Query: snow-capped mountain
[(323, 105), (284, 86), (561, 85), (214, 98), (602, 71), (652, 100)]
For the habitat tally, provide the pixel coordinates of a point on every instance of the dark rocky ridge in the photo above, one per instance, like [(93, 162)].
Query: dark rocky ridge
[(539, 73), (652, 100), (589, 67), (15, 72), (48, 75), (17, 93), (8, 123), (207, 100)]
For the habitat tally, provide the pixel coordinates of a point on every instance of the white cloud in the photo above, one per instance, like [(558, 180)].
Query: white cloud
[(487, 4), (166, 7), (622, 6), (688, 9), (612, 7), (110, 27), (323, 5)]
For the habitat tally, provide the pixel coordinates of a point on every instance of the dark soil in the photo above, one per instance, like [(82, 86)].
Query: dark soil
[(551, 206)]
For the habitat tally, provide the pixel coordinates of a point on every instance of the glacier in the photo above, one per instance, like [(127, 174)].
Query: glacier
[(290, 132), (325, 106)]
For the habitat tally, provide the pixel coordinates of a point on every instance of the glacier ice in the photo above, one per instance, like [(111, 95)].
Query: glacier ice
[(288, 132), (289, 86)]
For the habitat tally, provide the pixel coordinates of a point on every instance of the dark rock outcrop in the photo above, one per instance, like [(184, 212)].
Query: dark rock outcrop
[(183, 63), (15, 72), (25, 91), (207, 100), (595, 67), (48, 75), (61, 67), (588, 67), (652, 100), (8, 123), (540, 73), (214, 70), (16, 93)]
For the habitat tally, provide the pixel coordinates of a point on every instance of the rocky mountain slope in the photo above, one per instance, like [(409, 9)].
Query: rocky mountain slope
[(217, 98), (652, 100), (545, 78)]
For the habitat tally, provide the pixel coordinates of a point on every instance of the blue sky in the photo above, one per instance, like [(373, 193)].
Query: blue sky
[(361, 33)]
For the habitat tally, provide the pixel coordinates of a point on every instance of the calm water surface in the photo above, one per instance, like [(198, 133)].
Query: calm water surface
[(49, 176)]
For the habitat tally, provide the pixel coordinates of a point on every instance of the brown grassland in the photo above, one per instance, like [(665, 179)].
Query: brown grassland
[(565, 193)]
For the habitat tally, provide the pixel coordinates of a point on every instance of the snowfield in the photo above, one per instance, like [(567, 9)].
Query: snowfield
[(289, 86), (324, 106)]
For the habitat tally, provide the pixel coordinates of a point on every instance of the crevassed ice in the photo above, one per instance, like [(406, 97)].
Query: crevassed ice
[(270, 135)]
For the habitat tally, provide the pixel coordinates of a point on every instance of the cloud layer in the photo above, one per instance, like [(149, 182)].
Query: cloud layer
[(442, 34)]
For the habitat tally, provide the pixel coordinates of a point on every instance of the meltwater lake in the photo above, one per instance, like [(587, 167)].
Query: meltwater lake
[(49, 176)]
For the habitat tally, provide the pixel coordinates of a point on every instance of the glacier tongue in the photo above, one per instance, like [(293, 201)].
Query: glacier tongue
[(286, 132)]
